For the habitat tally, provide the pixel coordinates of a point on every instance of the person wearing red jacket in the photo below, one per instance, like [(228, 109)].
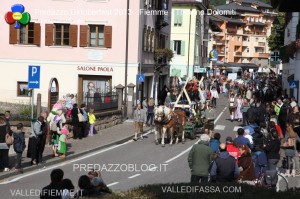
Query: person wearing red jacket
[(232, 149)]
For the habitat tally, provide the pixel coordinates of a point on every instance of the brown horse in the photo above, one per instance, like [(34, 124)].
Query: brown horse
[(168, 119)]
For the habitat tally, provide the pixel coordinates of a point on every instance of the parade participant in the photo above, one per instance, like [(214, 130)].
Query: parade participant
[(224, 167), (199, 159), (238, 112), (244, 109), (168, 100), (210, 116), (64, 132), (139, 117), (214, 96), (232, 106)]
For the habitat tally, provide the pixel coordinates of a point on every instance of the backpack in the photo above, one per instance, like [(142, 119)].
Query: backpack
[(18, 144), (271, 178)]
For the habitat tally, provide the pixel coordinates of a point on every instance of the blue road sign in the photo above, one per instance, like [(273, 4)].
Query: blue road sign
[(140, 78), (293, 84), (34, 77)]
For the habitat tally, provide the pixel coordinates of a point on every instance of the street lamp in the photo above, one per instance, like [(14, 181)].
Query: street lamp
[(126, 58)]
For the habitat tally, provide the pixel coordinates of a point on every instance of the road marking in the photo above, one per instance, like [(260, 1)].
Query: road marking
[(64, 163), (236, 128), (112, 184), (136, 175), (188, 149), (220, 127)]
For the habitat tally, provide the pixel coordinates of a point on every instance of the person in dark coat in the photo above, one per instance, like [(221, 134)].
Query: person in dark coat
[(272, 148), (282, 117), (4, 148), (224, 167), (77, 126), (246, 162), (19, 146), (55, 189)]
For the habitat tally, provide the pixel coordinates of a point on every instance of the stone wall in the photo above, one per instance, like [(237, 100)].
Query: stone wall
[(107, 119)]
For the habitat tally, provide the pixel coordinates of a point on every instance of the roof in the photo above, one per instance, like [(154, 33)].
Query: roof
[(241, 65), (237, 7), (230, 20), (213, 18), (258, 24), (259, 3)]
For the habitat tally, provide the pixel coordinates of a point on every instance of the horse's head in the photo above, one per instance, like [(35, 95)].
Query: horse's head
[(161, 113)]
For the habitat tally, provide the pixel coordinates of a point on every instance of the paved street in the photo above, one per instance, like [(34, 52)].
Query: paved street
[(114, 162)]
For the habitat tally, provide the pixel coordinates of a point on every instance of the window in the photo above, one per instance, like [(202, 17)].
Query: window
[(232, 38), (92, 35), (179, 47), (256, 39), (62, 35), (96, 35), (239, 38), (23, 90), (178, 17), (247, 50), (29, 34)]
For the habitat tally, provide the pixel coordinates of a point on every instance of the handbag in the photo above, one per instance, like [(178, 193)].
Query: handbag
[(9, 139), (80, 116)]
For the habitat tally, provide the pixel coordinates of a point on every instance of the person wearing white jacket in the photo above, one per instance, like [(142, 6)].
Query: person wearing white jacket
[(214, 96)]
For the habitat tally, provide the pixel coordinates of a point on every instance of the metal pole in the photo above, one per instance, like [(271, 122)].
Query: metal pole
[(188, 65), (32, 103), (126, 58)]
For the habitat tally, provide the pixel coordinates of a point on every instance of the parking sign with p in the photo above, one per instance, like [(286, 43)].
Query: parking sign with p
[(34, 77)]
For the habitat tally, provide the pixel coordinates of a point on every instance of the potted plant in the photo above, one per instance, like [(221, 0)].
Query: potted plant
[(163, 55)]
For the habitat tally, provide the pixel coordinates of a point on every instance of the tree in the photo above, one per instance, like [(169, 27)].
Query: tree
[(276, 39)]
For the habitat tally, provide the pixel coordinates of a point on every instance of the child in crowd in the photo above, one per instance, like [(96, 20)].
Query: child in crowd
[(92, 120), (248, 136), (62, 141), (19, 145), (97, 182)]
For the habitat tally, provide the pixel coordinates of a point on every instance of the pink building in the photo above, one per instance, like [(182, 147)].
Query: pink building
[(75, 41)]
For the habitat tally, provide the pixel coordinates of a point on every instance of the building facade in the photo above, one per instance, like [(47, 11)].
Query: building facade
[(81, 43), (188, 26), (244, 32)]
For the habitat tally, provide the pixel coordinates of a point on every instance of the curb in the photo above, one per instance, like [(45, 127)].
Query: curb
[(70, 157)]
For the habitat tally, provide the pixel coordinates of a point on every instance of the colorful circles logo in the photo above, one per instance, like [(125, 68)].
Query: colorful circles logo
[(17, 16)]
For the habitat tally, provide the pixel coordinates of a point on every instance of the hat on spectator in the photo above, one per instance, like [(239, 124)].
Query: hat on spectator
[(204, 138), (229, 139)]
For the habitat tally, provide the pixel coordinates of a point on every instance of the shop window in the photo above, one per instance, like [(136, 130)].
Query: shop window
[(23, 90)]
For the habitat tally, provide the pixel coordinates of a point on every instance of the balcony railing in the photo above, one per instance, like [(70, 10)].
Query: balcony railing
[(264, 55), (108, 101), (231, 30), (238, 53), (262, 44)]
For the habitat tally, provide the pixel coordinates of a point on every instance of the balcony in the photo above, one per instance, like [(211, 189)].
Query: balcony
[(260, 33), (219, 42), (264, 55), (232, 30), (239, 54)]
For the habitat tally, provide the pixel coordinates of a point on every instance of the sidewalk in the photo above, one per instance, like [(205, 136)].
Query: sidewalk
[(105, 138)]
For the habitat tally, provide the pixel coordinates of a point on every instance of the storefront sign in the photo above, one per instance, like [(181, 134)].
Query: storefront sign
[(95, 68)]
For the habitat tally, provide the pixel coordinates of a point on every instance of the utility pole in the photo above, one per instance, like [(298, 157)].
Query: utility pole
[(126, 58)]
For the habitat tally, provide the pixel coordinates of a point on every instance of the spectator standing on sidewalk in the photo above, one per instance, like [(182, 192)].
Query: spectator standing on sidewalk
[(246, 163), (150, 115), (34, 139), (85, 124), (272, 148), (92, 120), (69, 104), (224, 167), (19, 145), (139, 117), (77, 125), (232, 148), (241, 140), (4, 148), (215, 142), (199, 159), (63, 134), (43, 137)]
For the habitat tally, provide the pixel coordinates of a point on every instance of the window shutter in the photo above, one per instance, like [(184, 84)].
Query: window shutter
[(73, 35), (84, 36), (172, 45), (13, 35), (182, 48), (175, 17), (37, 34), (179, 17), (108, 36), (49, 35)]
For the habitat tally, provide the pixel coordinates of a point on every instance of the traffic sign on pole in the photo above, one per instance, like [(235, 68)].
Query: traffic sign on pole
[(34, 77), (293, 84), (140, 78)]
